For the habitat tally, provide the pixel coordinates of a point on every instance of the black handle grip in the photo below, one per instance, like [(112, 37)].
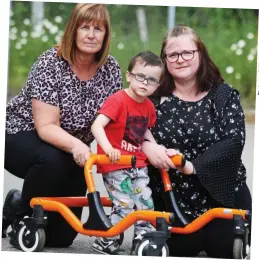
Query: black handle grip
[(134, 161)]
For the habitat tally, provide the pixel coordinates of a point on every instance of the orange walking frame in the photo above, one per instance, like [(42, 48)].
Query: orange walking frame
[(98, 223)]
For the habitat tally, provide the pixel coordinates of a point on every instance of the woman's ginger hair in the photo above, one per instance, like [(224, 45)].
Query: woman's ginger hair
[(96, 13), (208, 74)]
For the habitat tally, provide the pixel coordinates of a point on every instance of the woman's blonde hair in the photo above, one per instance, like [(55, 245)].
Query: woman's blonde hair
[(96, 13)]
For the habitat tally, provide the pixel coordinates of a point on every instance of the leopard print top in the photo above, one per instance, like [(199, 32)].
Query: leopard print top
[(52, 81)]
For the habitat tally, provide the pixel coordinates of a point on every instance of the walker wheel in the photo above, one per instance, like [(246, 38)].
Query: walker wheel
[(29, 242), (241, 247), (142, 248)]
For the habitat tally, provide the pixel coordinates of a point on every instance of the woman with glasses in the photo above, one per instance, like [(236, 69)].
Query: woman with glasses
[(200, 115), (48, 124)]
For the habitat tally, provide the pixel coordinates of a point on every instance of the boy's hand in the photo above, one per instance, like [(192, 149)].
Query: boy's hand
[(114, 155)]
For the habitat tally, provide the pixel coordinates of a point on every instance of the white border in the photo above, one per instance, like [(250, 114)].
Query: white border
[(255, 208), (4, 22), (248, 4)]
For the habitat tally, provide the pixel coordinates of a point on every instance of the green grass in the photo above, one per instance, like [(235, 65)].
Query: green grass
[(218, 28)]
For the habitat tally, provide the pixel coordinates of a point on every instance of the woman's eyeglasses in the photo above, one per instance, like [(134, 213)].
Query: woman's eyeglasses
[(186, 55), (142, 78)]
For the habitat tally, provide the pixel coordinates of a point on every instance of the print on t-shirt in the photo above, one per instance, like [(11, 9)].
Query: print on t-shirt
[(135, 129)]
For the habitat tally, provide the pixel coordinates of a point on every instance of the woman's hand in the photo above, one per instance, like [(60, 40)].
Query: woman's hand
[(156, 155), (188, 168), (81, 153), (171, 152)]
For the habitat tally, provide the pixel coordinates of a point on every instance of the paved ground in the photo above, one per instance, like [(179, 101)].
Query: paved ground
[(82, 244)]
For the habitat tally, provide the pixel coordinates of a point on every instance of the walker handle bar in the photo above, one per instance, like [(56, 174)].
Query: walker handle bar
[(125, 160), (129, 160)]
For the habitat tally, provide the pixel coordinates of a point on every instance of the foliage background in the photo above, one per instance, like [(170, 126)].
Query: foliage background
[(229, 34)]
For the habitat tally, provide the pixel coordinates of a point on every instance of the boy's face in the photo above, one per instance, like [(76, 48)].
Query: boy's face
[(144, 80)]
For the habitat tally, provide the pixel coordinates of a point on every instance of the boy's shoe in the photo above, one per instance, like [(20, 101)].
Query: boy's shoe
[(135, 241), (106, 246)]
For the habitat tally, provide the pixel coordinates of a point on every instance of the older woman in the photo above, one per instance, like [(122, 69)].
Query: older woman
[(200, 115), (48, 123)]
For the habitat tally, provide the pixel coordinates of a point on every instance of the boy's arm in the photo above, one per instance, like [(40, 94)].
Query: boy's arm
[(148, 136), (99, 134)]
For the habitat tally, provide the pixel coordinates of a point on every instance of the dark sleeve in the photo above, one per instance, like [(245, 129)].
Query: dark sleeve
[(217, 167)]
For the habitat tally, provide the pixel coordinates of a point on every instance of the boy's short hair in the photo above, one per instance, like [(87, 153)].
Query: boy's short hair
[(147, 58)]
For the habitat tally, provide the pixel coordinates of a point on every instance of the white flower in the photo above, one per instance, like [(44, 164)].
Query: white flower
[(12, 37), (120, 46), (233, 106), (23, 41), (211, 130), (253, 51), (13, 30), (60, 33), (233, 47), (12, 22), (238, 76), (26, 21), (229, 69), (18, 46), (11, 12), (241, 43), (250, 57), (35, 34), (47, 23), (58, 19), (53, 29), (58, 38), (44, 38), (239, 52), (24, 34), (38, 29), (250, 35)]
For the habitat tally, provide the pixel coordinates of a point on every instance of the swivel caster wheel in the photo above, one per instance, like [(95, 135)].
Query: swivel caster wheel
[(31, 242), (241, 248), (143, 246)]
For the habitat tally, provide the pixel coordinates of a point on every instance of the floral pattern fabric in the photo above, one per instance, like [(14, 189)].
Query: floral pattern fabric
[(211, 134)]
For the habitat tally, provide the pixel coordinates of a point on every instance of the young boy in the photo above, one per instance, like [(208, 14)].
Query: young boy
[(120, 128)]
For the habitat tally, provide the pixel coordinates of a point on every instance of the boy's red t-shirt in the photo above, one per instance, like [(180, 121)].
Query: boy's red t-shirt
[(125, 131)]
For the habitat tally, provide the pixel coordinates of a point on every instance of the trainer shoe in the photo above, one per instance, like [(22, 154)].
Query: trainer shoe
[(106, 246), (135, 241)]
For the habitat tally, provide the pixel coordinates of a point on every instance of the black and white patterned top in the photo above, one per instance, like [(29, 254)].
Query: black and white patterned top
[(211, 134), (52, 81)]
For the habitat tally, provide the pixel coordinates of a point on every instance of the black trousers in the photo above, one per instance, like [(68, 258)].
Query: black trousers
[(47, 171), (216, 238)]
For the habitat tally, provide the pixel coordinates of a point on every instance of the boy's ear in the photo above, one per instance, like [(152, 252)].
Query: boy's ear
[(127, 76)]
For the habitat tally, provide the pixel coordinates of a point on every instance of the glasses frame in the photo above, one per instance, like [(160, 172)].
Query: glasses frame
[(145, 78), (178, 55)]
